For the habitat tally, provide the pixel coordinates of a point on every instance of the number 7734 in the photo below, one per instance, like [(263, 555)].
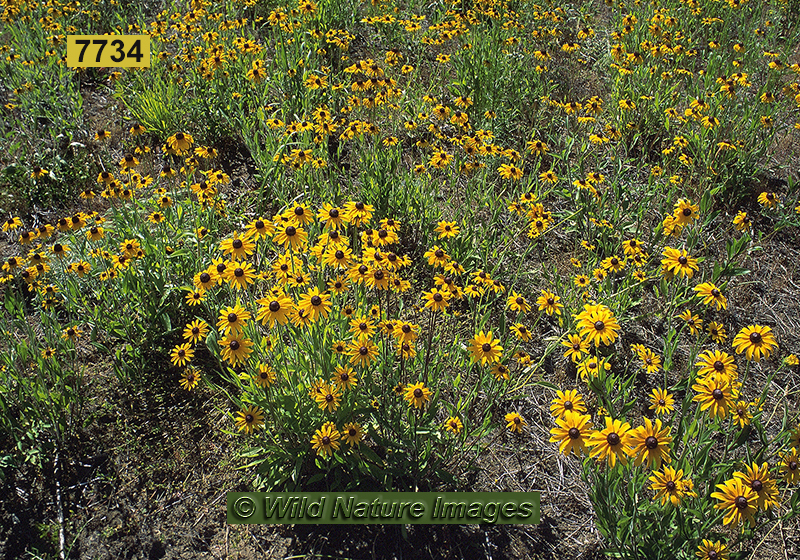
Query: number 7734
[(108, 50)]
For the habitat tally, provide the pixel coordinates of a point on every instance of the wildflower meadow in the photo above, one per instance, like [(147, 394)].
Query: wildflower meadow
[(457, 245)]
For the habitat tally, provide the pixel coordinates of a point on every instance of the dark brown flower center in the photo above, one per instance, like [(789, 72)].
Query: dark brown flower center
[(328, 397), (715, 292), (550, 301), (291, 231), (359, 205), (567, 405), (486, 347), (339, 254), (650, 442), (437, 297), (599, 326), (741, 502), (363, 350), (687, 212), (661, 402), (249, 418), (670, 485), (418, 393), (299, 211), (334, 213), (326, 440), (574, 433), (352, 432), (234, 345), (717, 394), (259, 224), (792, 465), (683, 260), (237, 244), (238, 272), (439, 253), (232, 318), (757, 485), (316, 300), (519, 301), (274, 306), (613, 439), (755, 337), (719, 366)]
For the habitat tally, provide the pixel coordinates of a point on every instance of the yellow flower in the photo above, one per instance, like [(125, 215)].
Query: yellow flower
[(756, 341), (249, 419), (484, 348), (326, 440), (570, 431), (610, 443), (417, 395), (182, 354), (738, 499), (515, 422)]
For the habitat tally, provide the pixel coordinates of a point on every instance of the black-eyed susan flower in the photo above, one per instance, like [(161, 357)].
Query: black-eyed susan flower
[(240, 275), (71, 333), (436, 300), (326, 440), (484, 348), (249, 419), (598, 325), (315, 304), (290, 236), (233, 319), (549, 303), (515, 422), (677, 262), (352, 434), (759, 479), (661, 401), (417, 395), (714, 395), (715, 363), (454, 425), (712, 550), (756, 341), (711, 294), (182, 354), (571, 432), (235, 349), (567, 401), (195, 297), (769, 200), (180, 142), (447, 230), (650, 443), (522, 332), (362, 351), (437, 257), (328, 397), (738, 500), (789, 467), (668, 485), (195, 331), (190, 377), (610, 442), (238, 247), (516, 302), (685, 212), (264, 376), (716, 331), (692, 321), (344, 377)]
